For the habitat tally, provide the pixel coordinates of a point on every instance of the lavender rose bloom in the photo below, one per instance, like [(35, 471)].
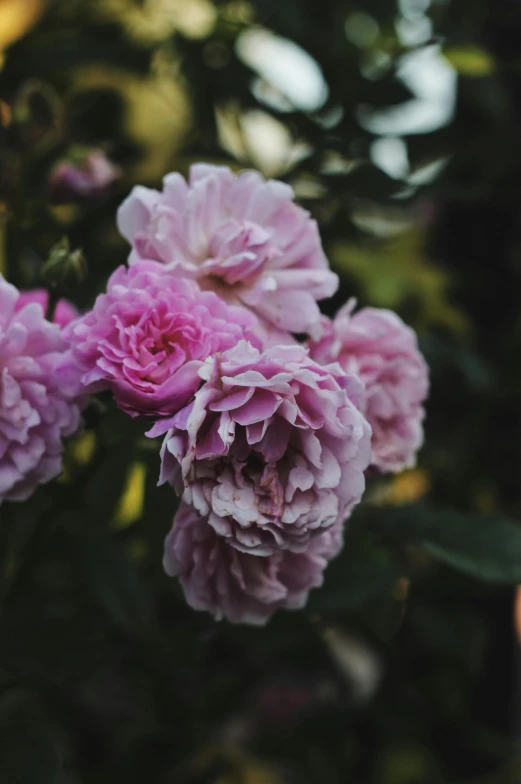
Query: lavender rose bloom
[(148, 336), (378, 347), (241, 236), (64, 313), (272, 450), (37, 404), (241, 587)]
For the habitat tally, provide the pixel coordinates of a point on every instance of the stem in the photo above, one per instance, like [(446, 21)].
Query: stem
[(54, 298)]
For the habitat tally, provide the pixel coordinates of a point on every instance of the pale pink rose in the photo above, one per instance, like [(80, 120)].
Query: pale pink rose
[(272, 450), (378, 347), (37, 405), (240, 235), (64, 313), (82, 180), (241, 587), (148, 336)]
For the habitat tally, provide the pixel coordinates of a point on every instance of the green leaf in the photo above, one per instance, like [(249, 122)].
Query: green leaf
[(450, 629), (359, 575), (112, 581), (471, 61), (488, 548)]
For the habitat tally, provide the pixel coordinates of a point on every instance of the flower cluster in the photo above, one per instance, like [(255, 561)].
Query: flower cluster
[(267, 439), (270, 460)]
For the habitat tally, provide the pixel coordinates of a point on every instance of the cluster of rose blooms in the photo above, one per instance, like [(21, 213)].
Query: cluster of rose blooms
[(272, 414)]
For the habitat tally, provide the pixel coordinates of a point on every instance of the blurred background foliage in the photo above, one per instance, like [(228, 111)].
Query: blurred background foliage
[(398, 124)]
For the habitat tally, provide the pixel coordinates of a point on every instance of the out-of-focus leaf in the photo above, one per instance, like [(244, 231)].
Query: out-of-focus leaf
[(227, 766), (130, 507), (367, 180), (484, 547), (83, 447), (457, 633), (395, 272), (150, 23), (17, 17), (106, 483), (356, 577), (388, 91), (409, 487), (470, 60), (407, 764), (63, 50), (463, 360), (112, 581), (157, 113)]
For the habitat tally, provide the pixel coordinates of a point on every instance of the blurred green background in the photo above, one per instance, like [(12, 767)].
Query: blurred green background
[(398, 123)]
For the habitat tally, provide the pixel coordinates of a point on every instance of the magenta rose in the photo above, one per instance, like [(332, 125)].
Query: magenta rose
[(241, 587), (148, 336), (272, 450), (378, 347), (38, 408), (239, 235), (64, 312)]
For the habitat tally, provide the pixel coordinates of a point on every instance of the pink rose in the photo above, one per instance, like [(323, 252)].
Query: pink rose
[(64, 313), (239, 235), (241, 587), (148, 336), (37, 405), (272, 450), (378, 347)]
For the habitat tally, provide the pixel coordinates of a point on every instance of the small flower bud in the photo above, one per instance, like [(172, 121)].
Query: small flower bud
[(64, 267)]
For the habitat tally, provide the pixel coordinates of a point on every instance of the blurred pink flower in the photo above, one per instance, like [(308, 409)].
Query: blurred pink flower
[(148, 336), (240, 235), (37, 404), (84, 179), (272, 450), (378, 347), (241, 587), (64, 313)]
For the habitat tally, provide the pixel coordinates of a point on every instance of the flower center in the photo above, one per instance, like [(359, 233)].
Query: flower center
[(160, 342), (238, 251), (264, 479)]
